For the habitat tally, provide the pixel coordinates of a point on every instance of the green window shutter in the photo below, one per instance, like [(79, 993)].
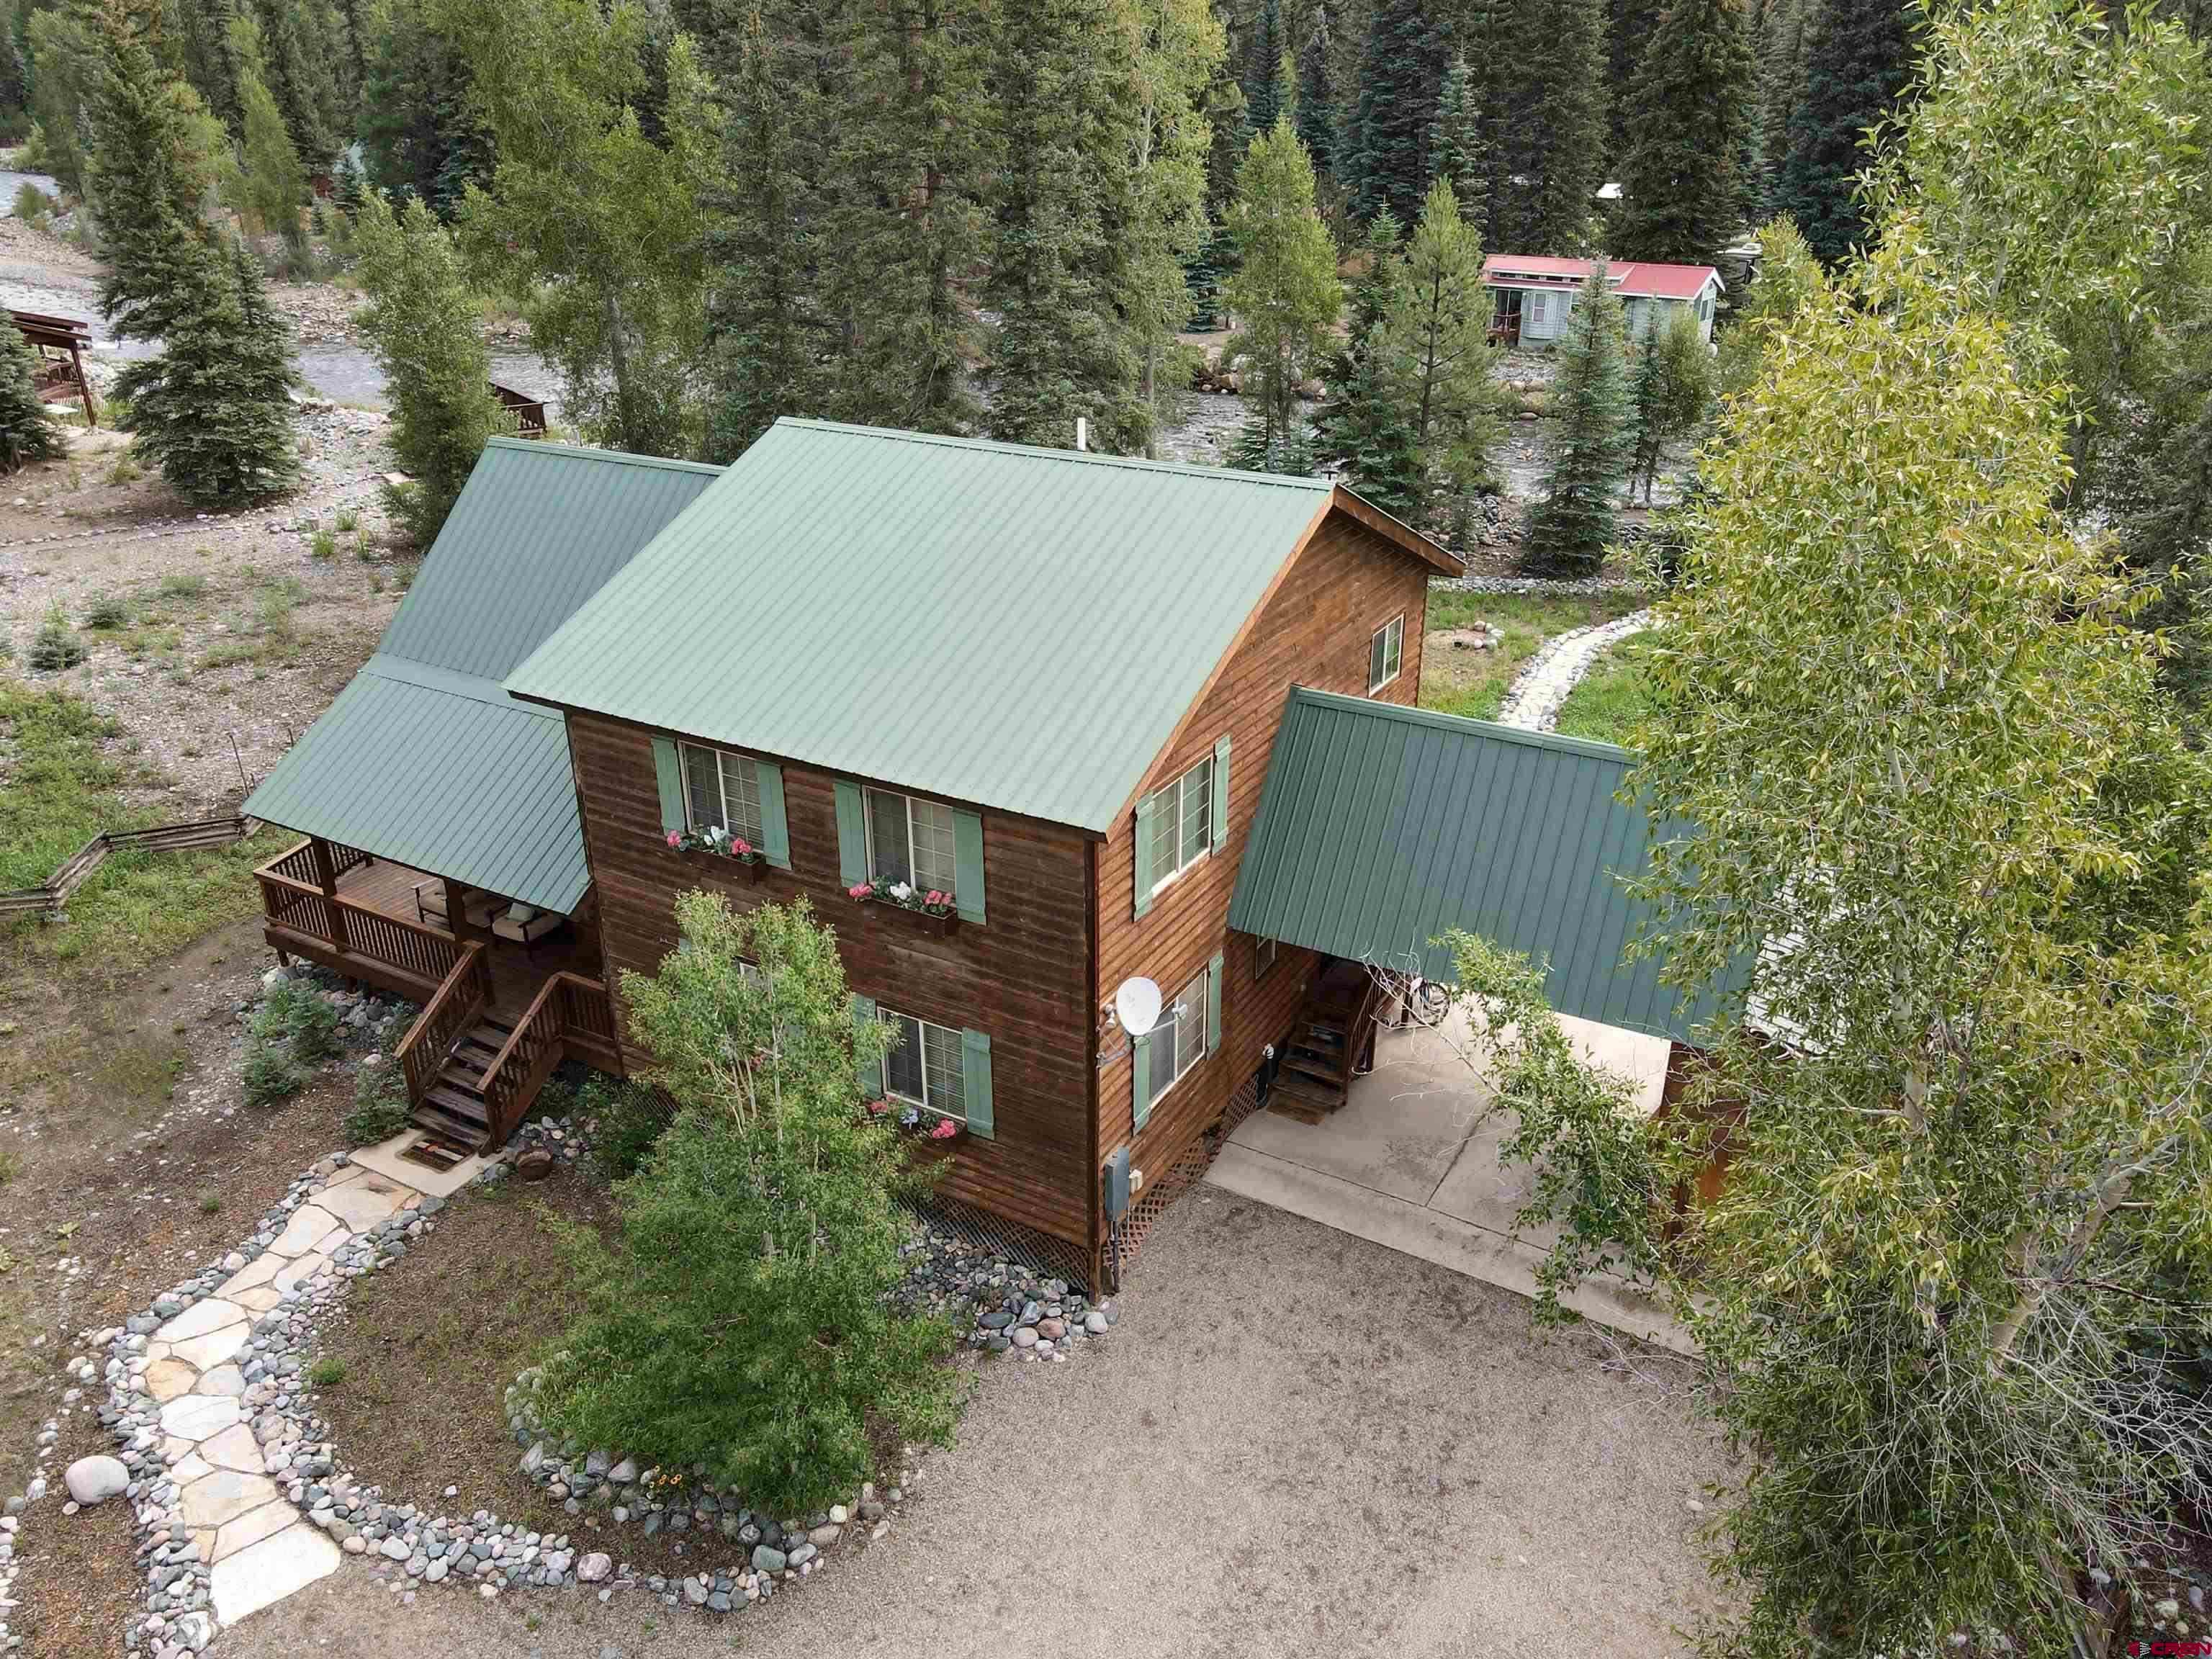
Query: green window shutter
[(1147, 810), (775, 829), (968, 879), (1221, 794), (669, 773), (872, 1070), (852, 836), (975, 1081), (1213, 1003), (1140, 1079)]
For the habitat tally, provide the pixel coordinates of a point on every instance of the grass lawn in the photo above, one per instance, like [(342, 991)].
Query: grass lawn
[(66, 774), (1613, 698), (1458, 680)]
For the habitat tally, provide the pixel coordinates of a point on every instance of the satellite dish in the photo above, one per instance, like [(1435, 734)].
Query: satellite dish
[(1137, 1005)]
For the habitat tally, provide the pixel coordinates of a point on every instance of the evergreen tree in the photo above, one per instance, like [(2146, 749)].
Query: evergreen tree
[(1629, 29), (1287, 450), (1456, 145), (1363, 427), (1060, 350), (273, 186), (1783, 38), (1682, 195), (910, 224), (425, 325), (1671, 389), (1315, 121), (1400, 77), (29, 431), (1262, 67), (767, 333), (1570, 528), (1438, 324), (1858, 54), (1555, 138), (214, 410), (303, 48), (1180, 45), (1285, 295), (64, 45), (419, 134)]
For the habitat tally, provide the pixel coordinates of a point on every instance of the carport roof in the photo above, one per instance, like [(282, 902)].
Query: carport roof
[(1382, 827)]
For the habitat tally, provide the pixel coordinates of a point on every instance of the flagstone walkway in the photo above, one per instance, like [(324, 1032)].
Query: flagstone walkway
[(259, 1546)]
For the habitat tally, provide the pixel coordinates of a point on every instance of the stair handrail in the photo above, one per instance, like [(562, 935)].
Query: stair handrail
[(540, 1029), (452, 1007)]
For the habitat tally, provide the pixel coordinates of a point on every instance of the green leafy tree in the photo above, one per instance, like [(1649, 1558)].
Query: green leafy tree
[(1363, 426), (425, 325), (1906, 732), (1682, 195), (29, 431), (1400, 75), (214, 410), (1671, 389), (273, 186), (1438, 324), (1789, 276), (1592, 432), (64, 43), (742, 1321), (1180, 46), (2049, 167), (1285, 295), (910, 224), (1858, 55), (767, 333), (593, 229)]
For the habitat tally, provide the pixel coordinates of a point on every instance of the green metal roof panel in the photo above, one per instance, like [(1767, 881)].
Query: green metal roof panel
[(1382, 827), (442, 771), (1016, 626), (538, 530)]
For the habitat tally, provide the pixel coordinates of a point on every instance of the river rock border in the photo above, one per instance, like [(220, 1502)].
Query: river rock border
[(1533, 701)]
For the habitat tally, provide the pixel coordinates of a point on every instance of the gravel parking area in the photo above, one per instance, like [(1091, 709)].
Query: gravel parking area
[(1297, 1442)]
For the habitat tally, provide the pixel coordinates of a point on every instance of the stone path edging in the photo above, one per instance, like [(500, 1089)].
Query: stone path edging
[(1534, 700)]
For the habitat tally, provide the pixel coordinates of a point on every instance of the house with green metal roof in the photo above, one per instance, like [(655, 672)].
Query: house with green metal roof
[(1026, 728)]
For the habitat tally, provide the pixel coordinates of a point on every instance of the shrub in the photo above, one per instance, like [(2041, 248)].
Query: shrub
[(295, 1015), (380, 1106), (629, 1117), (326, 1372), (56, 646), (32, 205), (184, 585), (323, 545), (271, 1075), (105, 613), (767, 1362)]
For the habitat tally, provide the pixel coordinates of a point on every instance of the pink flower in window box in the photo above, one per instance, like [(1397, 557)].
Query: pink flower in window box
[(944, 1129), (877, 1107), (676, 838), (858, 891)]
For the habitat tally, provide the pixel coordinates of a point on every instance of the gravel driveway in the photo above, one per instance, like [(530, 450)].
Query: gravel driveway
[(1298, 1443)]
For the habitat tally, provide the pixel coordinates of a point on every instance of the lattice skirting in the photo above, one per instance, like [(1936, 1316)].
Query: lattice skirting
[(979, 1229), (1185, 1172)]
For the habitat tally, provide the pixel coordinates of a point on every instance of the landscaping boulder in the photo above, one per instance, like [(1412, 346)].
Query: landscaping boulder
[(95, 1479), (535, 1164)]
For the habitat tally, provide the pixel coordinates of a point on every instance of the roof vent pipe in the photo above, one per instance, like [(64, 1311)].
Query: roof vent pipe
[(1082, 433)]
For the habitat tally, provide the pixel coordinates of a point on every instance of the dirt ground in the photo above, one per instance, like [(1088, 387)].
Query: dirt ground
[(1297, 1443)]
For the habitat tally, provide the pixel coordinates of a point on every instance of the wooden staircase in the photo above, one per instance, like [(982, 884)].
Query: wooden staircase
[(454, 1105), (1334, 1030)]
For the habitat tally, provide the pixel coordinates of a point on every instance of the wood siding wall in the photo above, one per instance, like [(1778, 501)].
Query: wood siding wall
[(1314, 630), (1022, 977)]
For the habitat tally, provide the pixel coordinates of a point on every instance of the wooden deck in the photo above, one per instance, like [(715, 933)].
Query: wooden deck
[(517, 974)]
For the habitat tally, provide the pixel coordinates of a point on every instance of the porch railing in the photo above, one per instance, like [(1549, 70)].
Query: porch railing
[(568, 1012), (451, 1010), (299, 906)]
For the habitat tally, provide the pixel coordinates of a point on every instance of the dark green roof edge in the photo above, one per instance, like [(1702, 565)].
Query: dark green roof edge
[(593, 453), (1558, 742)]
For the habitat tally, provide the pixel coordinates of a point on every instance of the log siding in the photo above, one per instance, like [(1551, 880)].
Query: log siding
[(1023, 978), (1314, 630)]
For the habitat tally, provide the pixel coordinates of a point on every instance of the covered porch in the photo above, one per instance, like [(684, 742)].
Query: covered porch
[(507, 991)]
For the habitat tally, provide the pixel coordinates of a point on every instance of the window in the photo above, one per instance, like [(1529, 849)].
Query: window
[(1182, 824), (722, 791), (925, 1069), (1263, 957), (911, 840), (1178, 1042), (1385, 654)]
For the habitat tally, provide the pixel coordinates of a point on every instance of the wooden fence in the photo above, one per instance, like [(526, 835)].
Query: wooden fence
[(49, 900)]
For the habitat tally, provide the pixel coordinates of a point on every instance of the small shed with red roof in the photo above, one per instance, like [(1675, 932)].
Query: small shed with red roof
[(1531, 295)]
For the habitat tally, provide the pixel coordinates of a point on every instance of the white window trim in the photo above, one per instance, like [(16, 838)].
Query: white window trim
[(868, 830), (1160, 883), (1383, 632), (922, 1027), (685, 748), (1202, 981)]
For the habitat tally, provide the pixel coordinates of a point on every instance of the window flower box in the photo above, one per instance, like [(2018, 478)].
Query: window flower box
[(932, 912), (912, 1123), (742, 858)]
